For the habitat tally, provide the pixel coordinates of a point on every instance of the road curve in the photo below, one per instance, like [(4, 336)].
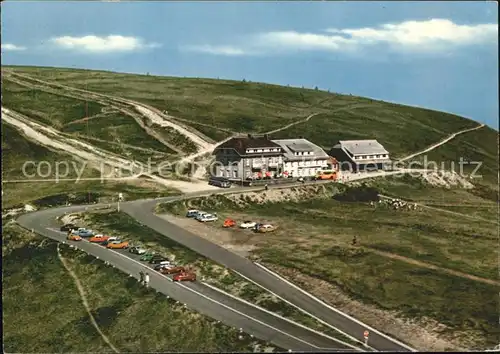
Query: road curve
[(143, 212), (217, 305)]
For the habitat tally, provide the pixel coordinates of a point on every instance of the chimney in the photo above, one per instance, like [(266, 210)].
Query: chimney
[(301, 137), (266, 136), (249, 136)]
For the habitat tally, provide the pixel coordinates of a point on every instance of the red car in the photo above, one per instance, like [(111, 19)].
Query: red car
[(184, 276)]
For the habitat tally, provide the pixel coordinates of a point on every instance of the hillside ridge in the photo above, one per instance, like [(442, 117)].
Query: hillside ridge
[(154, 76)]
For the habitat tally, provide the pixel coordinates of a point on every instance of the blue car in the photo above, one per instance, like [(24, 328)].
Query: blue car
[(85, 233)]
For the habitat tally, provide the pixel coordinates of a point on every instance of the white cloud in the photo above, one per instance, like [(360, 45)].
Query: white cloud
[(434, 35), (9, 47), (106, 44), (422, 35), (217, 50)]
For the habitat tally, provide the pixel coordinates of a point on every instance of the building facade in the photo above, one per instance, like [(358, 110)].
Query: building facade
[(301, 158), (245, 157), (361, 155)]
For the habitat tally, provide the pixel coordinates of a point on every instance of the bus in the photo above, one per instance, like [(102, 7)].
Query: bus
[(326, 174), (222, 182)]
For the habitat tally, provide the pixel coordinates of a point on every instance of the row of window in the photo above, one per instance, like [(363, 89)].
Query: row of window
[(306, 163), (251, 151), (269, 160), (303, 153), (370, 157)]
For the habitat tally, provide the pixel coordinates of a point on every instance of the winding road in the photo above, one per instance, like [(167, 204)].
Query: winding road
[(204, 299)]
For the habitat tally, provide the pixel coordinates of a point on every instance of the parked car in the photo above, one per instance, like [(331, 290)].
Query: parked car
[(222, 182), (184, 276), (208, 218), (146, 257), (192, 213), (173, 270), (108, 241), (118, 244), (68, 227), (266, 228), (247, 224), (85, 233), (99, 238), (229, 223), (200, 214), (137, 250), (163, 265), (158, 260), (74, 237)]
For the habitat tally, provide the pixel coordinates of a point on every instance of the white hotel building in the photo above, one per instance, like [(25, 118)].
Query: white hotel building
[(301, 158)]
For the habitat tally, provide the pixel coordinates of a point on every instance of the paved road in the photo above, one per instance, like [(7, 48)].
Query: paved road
[(228, 310), (142, 211)]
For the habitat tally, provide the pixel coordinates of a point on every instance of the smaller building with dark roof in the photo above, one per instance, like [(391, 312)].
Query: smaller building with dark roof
[(243, 157)]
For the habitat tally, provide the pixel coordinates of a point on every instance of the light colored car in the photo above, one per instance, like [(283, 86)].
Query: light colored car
[(247, 224), (200, 214), (137, 250), (163, 265), (192, 213), (208, 217), (266, 228)]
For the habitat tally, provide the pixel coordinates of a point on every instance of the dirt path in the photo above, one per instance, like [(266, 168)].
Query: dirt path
[(438, 144), (305, 120), (100, 160), (152, 113), (85, 95), (434, 267), (81, 291), (86, 119)]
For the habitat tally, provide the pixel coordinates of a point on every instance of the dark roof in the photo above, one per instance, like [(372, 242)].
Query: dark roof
[(241, 144)]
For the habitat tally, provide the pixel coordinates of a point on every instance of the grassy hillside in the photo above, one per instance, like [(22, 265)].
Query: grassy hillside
[(16, 150), (256, 107), (408, 263), (43, 311)]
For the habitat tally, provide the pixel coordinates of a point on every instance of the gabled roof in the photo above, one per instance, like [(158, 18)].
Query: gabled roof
[(241, 144), (362, 147), (290, 146)]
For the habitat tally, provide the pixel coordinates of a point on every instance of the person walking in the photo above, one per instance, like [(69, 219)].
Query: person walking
[(146, 280), (266, 187), (141, 275)]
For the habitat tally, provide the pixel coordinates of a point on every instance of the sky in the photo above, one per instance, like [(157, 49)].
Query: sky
[(438, 55)]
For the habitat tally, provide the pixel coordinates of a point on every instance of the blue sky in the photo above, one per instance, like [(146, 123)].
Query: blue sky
[(440, 55)]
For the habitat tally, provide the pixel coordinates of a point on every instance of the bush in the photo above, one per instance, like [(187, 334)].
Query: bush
[(362, 193)]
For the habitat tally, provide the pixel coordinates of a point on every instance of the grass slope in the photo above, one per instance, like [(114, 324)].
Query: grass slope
[(47, 108), (314, 238), (43, 311), (16, 150), (256, 107)]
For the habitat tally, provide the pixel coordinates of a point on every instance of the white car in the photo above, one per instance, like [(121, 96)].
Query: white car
[(247, 224), (200, 214), (208, 217)]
